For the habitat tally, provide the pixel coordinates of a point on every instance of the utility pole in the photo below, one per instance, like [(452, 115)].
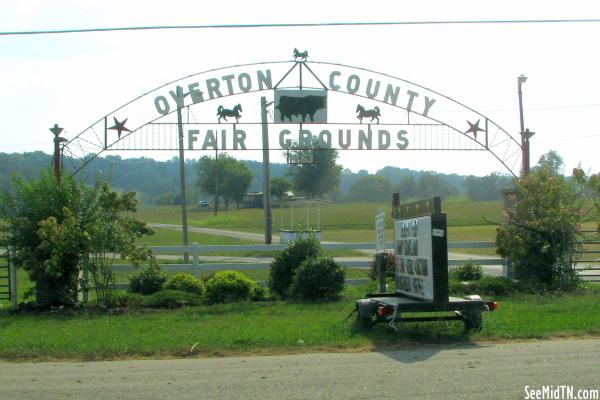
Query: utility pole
[(216, 178), (525, 135), (56, 130), (266, 179), (186, 257)]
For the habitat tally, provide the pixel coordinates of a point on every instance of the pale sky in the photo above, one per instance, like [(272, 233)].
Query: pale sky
[(76, 79)]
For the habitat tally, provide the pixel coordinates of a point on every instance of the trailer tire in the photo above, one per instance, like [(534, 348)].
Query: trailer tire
[(365, 313), (365, 323), (473, 321)]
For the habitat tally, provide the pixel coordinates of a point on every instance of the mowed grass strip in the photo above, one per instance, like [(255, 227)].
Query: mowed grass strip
[(276, 328), (353, 216)]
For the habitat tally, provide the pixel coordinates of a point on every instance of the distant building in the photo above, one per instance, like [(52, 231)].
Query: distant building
[(252, 200)]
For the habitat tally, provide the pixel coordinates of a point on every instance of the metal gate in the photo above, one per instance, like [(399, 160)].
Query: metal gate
[(5, 271), (586, 261)]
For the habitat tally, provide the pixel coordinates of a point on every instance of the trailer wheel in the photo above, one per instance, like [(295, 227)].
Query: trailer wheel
[(365, 314), (473, 321), (365, 323)]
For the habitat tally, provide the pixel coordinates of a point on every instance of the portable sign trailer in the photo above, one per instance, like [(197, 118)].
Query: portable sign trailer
[(421, 273)]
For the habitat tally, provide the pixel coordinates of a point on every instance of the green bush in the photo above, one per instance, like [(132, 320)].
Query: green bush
[(287, 261), (258, 293), (468, 271), (47, 235), (131, 300), (150, 279), (497, 286), (185, 283), (318, 279), (173, 299), (486, 286), (228, 287)]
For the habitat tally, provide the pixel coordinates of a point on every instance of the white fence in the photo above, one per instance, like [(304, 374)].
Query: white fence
[(196, 267)]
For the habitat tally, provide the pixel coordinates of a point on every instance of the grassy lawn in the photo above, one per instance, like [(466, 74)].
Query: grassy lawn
[(351, 216), (276, 328), (170, 237)]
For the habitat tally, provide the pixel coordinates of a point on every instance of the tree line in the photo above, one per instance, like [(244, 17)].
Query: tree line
[(157, 182)]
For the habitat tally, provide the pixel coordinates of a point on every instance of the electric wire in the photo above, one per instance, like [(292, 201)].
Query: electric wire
[(302, 25)]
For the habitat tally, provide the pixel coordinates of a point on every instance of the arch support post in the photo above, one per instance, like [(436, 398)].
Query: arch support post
[(184, 225), (266, 178)]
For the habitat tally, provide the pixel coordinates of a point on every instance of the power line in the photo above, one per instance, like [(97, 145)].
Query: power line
[(303, 25)]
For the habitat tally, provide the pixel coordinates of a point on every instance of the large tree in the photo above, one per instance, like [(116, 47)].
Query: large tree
[(407, 187), (371, 188), (431, 184), (279, 186), (552, 161), (485, 188), (233, 178), (320, 174)]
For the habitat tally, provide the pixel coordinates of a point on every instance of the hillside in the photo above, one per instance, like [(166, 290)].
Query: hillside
[(153, 179)]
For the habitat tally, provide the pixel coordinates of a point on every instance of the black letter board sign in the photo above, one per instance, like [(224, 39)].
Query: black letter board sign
[(421, 250)]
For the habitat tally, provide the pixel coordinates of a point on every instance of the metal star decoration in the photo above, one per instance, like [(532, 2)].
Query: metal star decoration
[(119, 126), (474, 128)]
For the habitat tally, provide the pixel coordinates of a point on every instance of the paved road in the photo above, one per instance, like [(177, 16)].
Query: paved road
[(253, 237), (494, 371)]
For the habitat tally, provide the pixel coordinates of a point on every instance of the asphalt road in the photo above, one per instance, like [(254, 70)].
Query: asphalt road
[(487, 371)]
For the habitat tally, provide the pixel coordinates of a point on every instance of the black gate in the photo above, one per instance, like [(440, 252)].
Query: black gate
[(5, 284)]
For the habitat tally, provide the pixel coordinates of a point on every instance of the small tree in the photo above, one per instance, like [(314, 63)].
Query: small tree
[(542, 235), (111, 231), (46, 233), (57, 228)]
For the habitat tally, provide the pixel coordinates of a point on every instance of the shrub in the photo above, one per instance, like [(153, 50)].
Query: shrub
[(150, 279), (46, 234), (318, 279), (542, 230), (287, 261), (185, 283), (228, 287), (258, 293), (497, 286), (486, 286), (131, 300), (468, 271), (173, 299)]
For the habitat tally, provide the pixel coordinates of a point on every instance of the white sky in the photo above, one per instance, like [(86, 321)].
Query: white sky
[(76, 79)]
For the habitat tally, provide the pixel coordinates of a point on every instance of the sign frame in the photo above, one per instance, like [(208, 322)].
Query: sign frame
[(428, 246)]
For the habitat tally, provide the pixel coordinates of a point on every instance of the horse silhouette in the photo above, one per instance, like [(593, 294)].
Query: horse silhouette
[(224, 113), (301, 56), (362, 113)]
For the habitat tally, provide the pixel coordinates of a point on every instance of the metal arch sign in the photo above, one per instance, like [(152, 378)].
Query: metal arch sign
[(344, 107)]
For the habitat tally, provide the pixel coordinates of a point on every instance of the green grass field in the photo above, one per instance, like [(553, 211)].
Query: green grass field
[(276, 328), (351, 216)]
